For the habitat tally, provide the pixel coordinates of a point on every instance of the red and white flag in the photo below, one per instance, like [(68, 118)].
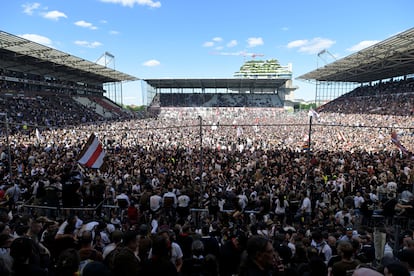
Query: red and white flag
[(92, 154), (341, 136), (396, 141)]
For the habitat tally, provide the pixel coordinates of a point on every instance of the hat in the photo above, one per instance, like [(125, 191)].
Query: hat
[(269, 222)]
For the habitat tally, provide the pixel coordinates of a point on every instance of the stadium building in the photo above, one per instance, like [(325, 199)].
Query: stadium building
[(30, 69)]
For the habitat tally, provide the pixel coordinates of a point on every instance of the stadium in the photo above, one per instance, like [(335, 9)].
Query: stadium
[(216, 157)]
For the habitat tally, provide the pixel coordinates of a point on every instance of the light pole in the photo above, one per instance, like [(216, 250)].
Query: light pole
[(312, 113), (201, 149), (6, 122), (308, 155)]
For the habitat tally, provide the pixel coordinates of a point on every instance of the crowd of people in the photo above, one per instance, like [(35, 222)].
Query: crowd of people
[(235, 191)]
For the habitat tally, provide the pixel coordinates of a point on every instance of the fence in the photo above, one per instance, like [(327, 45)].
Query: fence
[(103, 210)]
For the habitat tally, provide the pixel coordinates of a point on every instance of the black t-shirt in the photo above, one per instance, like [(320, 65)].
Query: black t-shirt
[(388, 207)]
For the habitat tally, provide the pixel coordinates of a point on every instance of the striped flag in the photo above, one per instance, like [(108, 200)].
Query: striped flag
[(92, 154), (341, 136), (396, 141)]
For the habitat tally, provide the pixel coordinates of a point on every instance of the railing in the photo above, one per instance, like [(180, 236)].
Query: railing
[(105, 210)]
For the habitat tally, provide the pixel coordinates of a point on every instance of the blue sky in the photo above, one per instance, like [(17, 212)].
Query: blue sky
[(206, 38)]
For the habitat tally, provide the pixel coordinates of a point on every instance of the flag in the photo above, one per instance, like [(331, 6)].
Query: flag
[(39, 136), (313, 113), (341, 136), (396, 141), (92, 154)]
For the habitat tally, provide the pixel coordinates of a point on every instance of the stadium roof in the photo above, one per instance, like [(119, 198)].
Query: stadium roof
[(390, 58), (216, 83), (19, 54)]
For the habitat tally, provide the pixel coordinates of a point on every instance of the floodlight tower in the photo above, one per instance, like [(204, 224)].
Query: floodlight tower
[(325, 52), (112, 88), (319, 97)]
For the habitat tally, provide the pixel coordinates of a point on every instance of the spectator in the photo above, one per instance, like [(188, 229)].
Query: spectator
[(260, 258), (160, 263), (347, 264)]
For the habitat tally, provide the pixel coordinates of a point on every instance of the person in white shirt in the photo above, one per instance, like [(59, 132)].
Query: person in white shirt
[(324, 250), (171, 194), (358, 201), (343, 217), (155, 201), (183, 208), (305, 209), (280, 210), (373, 196), (242, 201), (122, 199), (169, 202), (176, 251), (116, 238)]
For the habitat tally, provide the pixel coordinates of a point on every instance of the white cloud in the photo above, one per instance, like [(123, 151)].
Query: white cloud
[(362, 45), (232, 43), (217, 39), (254, 41), (131, 3), (37, 38), (219, 48), (208, 44), (54, 15), (297, 43), (113, 32), (30, 7), (88, 44), (285, 29), (84, 24), (311, 46), (151, 63)]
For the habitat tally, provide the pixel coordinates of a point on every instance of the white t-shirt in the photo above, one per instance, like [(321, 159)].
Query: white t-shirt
[(155, 202), (279, 208), (183, 201), (358, 200), (306, 205)]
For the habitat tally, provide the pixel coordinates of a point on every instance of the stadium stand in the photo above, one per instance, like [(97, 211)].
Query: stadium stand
[(235, 164)]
